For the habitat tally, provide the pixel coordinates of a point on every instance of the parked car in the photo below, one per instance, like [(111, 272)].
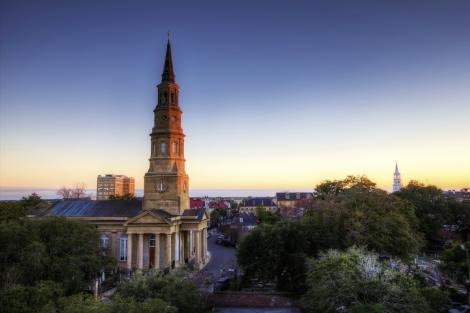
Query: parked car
[(220, 239)]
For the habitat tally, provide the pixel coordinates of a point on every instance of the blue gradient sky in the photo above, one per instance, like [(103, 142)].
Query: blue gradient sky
[(275, 94)]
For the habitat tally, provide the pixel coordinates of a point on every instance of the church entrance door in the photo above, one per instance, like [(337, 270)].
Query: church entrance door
[(152, 252)]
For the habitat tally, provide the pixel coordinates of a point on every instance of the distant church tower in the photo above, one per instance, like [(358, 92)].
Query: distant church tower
[(396, 179), (166, 183)]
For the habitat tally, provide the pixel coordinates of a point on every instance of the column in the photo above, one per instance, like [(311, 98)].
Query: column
[(204, 245), (168, 250), (184, 253), (157, 251), (197, 245), (177, 247), (140, 253), (129, 251), (187, 249)]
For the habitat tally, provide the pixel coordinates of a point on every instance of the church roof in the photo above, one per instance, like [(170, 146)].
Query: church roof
[(293, 195), (266, 202), (198, 213), (99, 208)]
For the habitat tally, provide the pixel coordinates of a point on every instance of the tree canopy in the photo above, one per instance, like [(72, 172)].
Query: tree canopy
[(345, 213), (356, 281)]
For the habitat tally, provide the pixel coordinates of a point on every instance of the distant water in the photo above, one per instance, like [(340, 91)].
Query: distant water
[(51, 193)]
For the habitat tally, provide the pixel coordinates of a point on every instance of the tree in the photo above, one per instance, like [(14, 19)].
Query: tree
[(356, 281), (78, 192), (360, 214), (127, 196), (265, 216), (431, 208), (455, 263), (174, 288), (11, 211), (65, 193), (275, 253), (51, 248), (334, 188), (459, 218), (217, 216)]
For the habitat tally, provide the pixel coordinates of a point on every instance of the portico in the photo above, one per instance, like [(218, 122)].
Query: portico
[(161, 241)]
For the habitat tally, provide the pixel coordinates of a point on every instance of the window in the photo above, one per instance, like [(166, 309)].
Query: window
[(175, 147), (163, 148), (123, 248), (152, 241), (172, 98), (104, 241)]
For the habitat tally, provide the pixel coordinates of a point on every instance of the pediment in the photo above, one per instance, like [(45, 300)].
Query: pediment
[(147, 217)]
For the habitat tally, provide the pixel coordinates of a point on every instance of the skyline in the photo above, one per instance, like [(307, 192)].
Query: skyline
[(316, 92)]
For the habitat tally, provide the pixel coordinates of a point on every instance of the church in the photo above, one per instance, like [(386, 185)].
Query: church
[(158, 231)]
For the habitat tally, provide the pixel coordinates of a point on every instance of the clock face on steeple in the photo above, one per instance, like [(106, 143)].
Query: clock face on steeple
[(161, 187), (164, 117)]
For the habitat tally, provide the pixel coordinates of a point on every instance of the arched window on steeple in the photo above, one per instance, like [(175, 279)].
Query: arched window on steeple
[(163, 148), (172, 98)]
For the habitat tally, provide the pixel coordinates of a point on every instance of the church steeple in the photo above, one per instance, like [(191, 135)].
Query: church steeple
[(168, 74), (166, 183), (396, 179)]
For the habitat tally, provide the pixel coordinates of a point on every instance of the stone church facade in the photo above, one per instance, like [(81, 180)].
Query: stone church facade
[(159, 231)]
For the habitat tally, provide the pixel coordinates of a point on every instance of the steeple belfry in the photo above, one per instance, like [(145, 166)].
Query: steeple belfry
[(396, 179), (166, 182)]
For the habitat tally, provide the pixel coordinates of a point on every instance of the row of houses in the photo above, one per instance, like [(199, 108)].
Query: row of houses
[(289, 204)]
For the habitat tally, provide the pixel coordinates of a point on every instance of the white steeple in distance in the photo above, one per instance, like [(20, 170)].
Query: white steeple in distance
[(396, 179)]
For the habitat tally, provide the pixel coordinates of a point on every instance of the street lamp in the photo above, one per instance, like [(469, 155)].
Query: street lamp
[(462, 246)]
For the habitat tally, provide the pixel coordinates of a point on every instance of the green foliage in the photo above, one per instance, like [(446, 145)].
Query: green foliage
[(431, 209), (459, 217), (127, 196), (11, 211), (334, 188), (275, 253), (151, 293), (354, 212), (49, 248), (351, 212), (355, 281), (265, 216), (455, 262), (131, 305), (30, 298), (217, 216), (174, 288)]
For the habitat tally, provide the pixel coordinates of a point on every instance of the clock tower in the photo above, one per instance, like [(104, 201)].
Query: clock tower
[(166, 182)]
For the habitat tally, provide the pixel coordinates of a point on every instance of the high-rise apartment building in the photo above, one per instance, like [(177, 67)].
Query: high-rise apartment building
[(113, 185)]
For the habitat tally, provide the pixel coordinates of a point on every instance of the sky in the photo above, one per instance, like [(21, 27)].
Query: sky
[(275, 94)]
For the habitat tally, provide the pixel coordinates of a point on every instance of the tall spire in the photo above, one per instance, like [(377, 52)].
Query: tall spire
[(168, 74), (396, 179)]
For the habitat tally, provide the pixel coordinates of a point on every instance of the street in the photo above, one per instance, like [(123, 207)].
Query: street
[(222, 258)]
